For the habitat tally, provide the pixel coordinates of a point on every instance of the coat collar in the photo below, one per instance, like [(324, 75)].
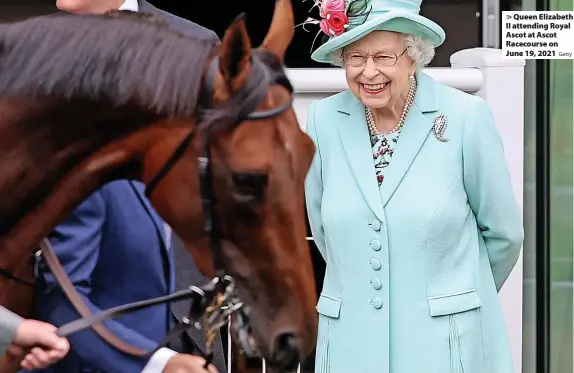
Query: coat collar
[(355, 138), (130, 5), (146, 7), (164, 234)]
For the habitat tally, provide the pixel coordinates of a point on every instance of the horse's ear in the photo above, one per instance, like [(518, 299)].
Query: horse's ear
[(235, 55), (281, 30)]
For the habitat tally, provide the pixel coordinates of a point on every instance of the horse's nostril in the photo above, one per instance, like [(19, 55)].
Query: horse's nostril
[(286, 352)]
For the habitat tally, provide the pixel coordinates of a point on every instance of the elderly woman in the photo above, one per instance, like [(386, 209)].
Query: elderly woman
[(410, 203)]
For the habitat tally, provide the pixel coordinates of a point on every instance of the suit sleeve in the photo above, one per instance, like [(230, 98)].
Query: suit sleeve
[(314, 187), (9, 324), (76, 242), (489, 189), (190, 28)]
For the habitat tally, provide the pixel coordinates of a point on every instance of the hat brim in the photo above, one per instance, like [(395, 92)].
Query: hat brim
[(394, 20)]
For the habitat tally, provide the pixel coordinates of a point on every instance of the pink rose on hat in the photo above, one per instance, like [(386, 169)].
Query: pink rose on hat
[(334, 24), (334, 21)]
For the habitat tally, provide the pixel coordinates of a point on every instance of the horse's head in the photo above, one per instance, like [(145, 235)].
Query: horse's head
[(258, 160)]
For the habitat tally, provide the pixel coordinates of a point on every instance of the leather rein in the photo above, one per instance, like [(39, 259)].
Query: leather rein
[(214, 302)]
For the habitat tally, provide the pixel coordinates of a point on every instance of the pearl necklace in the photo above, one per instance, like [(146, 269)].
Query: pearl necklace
[(409, 102)]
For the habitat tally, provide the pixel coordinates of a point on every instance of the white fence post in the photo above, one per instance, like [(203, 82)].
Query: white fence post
[(503, 90)]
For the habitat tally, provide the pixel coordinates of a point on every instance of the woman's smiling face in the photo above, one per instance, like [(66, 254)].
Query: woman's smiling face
[(378, 68)]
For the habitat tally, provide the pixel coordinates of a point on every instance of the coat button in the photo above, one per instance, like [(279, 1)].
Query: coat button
[(376, 283), (377, 302), (376, 225), (375, 264), (376, 245)]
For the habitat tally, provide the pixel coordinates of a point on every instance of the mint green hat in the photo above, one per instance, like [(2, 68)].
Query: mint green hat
[(365, 16)]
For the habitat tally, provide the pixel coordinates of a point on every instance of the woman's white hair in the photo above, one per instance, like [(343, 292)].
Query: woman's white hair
[(420, 51)]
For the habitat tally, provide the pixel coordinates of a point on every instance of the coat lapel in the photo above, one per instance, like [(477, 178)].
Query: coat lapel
[(413, 135), (354, 134), (355, 138), (139, 190)]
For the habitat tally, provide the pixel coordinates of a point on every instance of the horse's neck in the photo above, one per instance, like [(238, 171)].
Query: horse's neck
[(45, 154)]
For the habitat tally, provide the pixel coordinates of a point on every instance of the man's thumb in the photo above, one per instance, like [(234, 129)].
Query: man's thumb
[(51, 340)]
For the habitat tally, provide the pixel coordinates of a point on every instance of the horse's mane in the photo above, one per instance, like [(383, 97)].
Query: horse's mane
[(119, 58)]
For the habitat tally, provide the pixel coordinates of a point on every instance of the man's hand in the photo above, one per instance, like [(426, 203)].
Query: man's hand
[(46, 346), (183, 363)]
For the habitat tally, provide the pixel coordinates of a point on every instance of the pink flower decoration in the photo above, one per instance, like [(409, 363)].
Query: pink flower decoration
[(334, 20), (332, 6), (334, 24)]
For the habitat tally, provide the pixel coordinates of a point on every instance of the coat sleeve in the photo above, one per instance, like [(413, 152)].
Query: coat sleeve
[(314, 186), (489, 189), (76, 243), (9, 324)]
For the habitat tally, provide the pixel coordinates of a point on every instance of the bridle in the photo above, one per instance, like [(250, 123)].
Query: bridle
[(226, 301), (214, 302)]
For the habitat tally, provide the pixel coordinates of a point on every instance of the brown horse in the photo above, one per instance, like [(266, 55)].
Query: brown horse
[(87, 99)]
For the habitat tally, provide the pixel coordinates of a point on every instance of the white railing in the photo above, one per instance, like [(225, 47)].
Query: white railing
[(480, 71), (332, 80)]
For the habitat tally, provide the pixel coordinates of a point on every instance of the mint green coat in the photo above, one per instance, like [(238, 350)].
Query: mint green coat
[(413, 268)]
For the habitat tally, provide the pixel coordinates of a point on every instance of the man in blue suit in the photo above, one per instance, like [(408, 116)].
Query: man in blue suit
[(116, 250)]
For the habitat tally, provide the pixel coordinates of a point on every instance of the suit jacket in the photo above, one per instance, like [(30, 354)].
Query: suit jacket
[(9, 324), (412, 267), (114, 249), (179, 24)]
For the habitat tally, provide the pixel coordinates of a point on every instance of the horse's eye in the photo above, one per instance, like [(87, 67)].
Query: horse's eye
[(249, 186)]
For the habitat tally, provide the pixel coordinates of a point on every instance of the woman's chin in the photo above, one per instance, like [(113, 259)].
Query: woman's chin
[(375, 102)]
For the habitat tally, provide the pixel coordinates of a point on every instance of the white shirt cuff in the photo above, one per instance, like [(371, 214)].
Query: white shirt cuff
[(158, 361)]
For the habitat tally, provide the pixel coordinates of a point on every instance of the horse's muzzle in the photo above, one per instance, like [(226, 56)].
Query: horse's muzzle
[(286, 352)]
